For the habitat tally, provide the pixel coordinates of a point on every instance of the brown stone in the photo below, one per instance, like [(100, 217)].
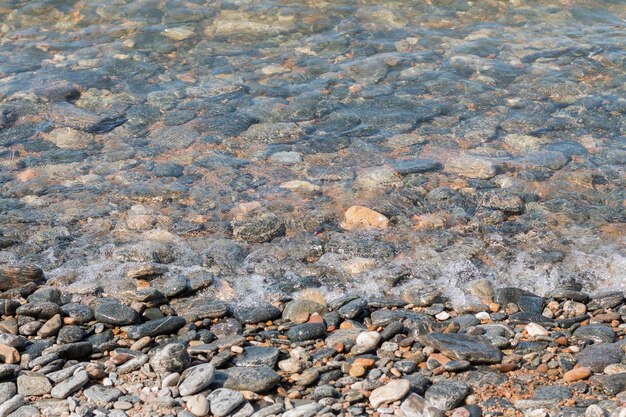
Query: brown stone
[(17, 276), (577, 374), (9, 354), (359, 217)]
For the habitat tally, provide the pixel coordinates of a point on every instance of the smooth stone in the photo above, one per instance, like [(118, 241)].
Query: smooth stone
[(70, 386), (198, 405), (258, 314), (12, 404), (256, 356), (475, 349), (304, 410), (166, 325), (598, 357), (9, 355), (7, 391), (295, 310), (170, 358), (70, 334), (598, 333), (253, 378), (27, 411), (32, 384), (392, 391), (100, 394), (40, 310), (446, 395), (416, 406), (79, 312), (547, 392), (306, 331), (614, 384), (224, 400), (71, 350), (366, 342), (195, 379), (115, 314)]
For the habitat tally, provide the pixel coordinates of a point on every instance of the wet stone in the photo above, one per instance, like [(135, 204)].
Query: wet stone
[(115, 314), (306, 331), (257, 314), (257, 356), (262, 227), (40, 310), (474, 349), (166, 325), (70, 334), (79, 312)]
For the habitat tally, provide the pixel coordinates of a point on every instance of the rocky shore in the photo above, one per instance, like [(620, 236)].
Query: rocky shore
[(173, 349)]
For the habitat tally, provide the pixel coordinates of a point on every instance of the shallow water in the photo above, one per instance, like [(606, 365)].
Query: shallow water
[(491, 134)]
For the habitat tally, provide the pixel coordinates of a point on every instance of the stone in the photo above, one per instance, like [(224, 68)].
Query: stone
[(306, 331), (475, 349), (80, 312), (166, 325), (172, 357), (471, 167), (416, 406), (597, 333), (10, 405), (70, 386), (446, 395), (390, 392), (257, 314), (33, 384), (304, 410), (366, 342), (102, 395), (298, 311), (39, 310), (598, 357), (253, 378), (115, 314), (360, 217), (71, 350), (9, 354), (534, 329), (614, 384), (256, 356), (195, 379), (198, 405), (577, 374), (259, 227), (15, 276), (70, 334), (223, 401), (50, 327), (7, 391)]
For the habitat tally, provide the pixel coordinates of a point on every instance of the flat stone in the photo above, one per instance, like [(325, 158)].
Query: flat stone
[(392, 391), (598, 357), (474, 349), (115, 314), (167, 325), (598, 333), (224, 400), (40, 310), (12, 404), (195, 379), (253, 378), (7, 391), (446, 395), (50, 327), (256, 356), (304, 410), (614, 384), (416, 406), (32, 384), (102, 395), (15, 276), (71, 350), (70, 386)]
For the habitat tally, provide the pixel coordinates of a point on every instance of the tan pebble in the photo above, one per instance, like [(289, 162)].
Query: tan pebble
[(357, 217), (577, 374), (236, 349), (141, 343), (9, 354), (542, 368), (357, 371)]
